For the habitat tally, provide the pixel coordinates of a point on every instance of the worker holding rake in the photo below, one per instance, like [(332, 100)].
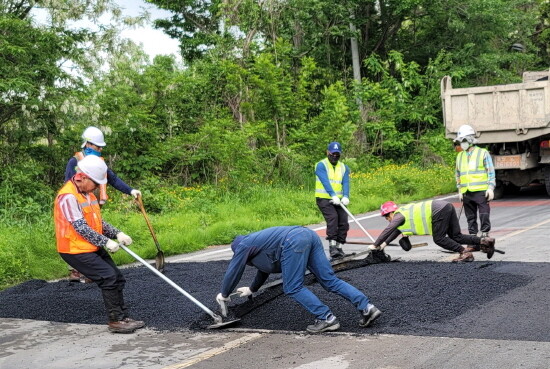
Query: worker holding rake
[(332, 186), (83, 239), (291, 250)]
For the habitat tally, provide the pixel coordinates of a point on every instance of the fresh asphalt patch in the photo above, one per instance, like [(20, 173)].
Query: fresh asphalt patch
[(482, 299)]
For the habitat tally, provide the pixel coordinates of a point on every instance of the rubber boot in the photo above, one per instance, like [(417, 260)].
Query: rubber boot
[(333, 250)]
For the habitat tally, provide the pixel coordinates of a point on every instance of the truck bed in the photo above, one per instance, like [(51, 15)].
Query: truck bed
[(500, 113)]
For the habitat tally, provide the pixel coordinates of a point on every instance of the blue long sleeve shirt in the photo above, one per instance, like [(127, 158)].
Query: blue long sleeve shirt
[(112, 178), (260, 249), (321, 173)]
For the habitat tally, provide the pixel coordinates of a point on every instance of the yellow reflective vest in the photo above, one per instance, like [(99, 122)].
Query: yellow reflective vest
[(335, 176), (473, 175), (418, 218)]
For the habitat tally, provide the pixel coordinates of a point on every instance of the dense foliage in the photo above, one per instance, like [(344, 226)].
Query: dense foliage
[(264, 87)]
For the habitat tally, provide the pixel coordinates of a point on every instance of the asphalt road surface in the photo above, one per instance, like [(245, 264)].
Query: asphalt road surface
[(436, 314)]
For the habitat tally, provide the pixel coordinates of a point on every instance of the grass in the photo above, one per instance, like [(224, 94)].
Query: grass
[(202, 216)]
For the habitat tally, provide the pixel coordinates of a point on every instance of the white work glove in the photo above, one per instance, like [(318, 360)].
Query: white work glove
[(345, 201), (123, 239), (244, 291), (112, 246), (335, 200), (377, 248), (460, 196), (135, 193), (222, 301), (489, 194)]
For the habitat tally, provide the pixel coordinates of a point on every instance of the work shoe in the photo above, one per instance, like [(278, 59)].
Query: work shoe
[(329, 324), (488, 246), (472, 248), (465, 256), (138, 323), (126, 325), (369, 315)]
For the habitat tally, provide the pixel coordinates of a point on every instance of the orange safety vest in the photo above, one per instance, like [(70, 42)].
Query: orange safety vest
[(68, 239), (102, 187)]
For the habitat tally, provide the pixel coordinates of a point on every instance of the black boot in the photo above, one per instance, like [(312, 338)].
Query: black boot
[(333, 250), (117, 323)]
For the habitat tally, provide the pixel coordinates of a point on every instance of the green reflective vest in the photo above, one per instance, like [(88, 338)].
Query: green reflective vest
[(472, 172), (335, 176), (418, 218)]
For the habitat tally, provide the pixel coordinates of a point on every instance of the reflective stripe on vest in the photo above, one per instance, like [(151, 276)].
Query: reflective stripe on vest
[(102, 187), (335, 176), (69, 241), (473, 175), (418, 218)]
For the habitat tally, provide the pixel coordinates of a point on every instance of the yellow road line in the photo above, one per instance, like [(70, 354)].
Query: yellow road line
[(515, 233), (215, 351), (522, 230)]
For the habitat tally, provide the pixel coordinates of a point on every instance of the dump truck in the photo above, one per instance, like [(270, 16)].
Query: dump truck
[(512, 121)]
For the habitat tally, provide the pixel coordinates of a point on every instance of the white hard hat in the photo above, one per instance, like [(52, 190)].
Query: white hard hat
[(93, 135), (94, 167), (464, 131)]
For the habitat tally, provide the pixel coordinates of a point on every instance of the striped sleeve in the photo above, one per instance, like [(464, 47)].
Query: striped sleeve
[(69, 207)]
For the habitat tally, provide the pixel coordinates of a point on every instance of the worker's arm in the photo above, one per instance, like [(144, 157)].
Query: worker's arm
[(488, 162), (235, 270), (260, 279), (391, 232), (321, 173), (70, 169), (457, 170), (118, 183)]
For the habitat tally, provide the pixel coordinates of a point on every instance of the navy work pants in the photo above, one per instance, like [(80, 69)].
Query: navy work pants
[(302, 249), (336, 218)]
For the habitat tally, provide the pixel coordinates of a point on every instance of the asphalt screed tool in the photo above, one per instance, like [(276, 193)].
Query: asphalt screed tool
[(218, 320)]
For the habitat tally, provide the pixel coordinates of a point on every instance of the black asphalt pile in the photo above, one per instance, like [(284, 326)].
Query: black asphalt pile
[(496, 300)]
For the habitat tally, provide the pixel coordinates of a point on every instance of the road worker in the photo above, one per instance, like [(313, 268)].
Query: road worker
[(332, 188), (433, 217), (83, 239), (476, 181), (291, 250), (93, 144)]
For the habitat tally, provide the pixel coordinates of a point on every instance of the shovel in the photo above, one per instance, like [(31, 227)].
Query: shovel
[(159, 259), (356, 221), (218, 320)]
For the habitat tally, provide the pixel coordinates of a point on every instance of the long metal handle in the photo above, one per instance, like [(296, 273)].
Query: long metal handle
[(356, 221), (169, 281)]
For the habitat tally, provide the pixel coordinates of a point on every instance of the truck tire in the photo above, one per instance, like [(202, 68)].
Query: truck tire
[(499, 191), (546, 172)]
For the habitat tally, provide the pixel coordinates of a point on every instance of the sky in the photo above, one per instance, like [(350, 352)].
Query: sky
[(154, 42)]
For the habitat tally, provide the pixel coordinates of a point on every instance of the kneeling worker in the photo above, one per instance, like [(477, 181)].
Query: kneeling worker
[(83, 239), (290, 251), (434, 217)]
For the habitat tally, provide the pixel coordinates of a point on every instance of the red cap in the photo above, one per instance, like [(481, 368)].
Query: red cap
[(387, 207)]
